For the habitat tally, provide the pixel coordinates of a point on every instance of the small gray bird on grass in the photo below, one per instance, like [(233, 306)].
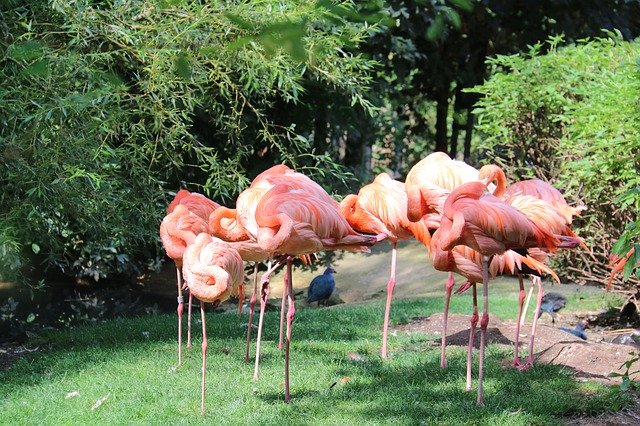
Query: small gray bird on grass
[(578, 331), (322, 287), (552, 302)]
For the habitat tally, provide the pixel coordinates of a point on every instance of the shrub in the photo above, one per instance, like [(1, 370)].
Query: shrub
[(108, 107), (569, 115)]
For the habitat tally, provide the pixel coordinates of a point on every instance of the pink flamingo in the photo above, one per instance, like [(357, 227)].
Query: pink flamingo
[(213, 271), (544, 205), (467, 262), (246, 227), (202, 207), (428, 184), (381, 208), (293, 222), (483, 222), (178, 230)]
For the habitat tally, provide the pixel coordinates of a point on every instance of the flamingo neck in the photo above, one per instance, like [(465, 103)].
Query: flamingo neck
[(492, 173), (232, 230)]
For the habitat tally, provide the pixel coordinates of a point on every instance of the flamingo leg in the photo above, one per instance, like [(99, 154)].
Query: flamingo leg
[(526, 304), (204, 354), (516, 356), (484, 322), (291, 312), (472, 331), (264, 295), (387, 311), (189, 320), (179, 311), (285, 289), (448, 288), (534, 327), (252, 306), (240, 298)]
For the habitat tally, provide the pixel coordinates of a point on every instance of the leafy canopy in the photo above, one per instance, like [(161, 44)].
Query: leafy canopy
[(569, 115), (109, 106)]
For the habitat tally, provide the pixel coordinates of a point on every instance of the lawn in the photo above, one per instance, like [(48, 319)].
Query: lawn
[(337, 375)]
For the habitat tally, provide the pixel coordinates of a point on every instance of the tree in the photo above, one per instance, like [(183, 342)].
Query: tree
[(108, 107), (433, 50), (569, 116)]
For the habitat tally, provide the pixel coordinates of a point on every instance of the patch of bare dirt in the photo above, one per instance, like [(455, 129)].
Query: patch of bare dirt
[(593, 359)]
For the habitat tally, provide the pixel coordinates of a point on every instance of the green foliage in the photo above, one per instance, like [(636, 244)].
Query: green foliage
[(10, 249), (108, 107), (569, 115), (521, 113), (415, 67), (630, 238), (628, 381)]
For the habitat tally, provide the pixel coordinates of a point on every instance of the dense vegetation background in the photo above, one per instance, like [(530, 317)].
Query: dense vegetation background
[(107, 108)]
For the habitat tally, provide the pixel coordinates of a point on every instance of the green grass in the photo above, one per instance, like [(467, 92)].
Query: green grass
[(132, 360)]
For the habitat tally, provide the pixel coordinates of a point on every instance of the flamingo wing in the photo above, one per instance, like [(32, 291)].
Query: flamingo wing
[(179, 229), (195, 203), (488, 224)]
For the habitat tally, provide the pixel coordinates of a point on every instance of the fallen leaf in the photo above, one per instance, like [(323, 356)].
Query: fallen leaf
[(342, 382), (100, 401), (355, 357), (72, 394)]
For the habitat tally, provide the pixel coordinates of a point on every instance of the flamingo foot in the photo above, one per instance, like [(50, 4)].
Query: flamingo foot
[(525, 366), (516, 363)]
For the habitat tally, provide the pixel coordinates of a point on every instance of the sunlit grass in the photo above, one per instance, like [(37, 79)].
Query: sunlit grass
[(337, 375)]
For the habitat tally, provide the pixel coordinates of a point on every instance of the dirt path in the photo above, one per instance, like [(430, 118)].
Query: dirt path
[(363, 276)]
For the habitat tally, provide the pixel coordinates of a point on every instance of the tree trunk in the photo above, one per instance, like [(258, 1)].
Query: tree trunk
[(456, 125), (358, 153), (320, 131), (442, 111), (468, 134)]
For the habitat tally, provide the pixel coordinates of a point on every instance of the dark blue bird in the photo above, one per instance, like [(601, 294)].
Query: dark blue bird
[(578, 331), (321, 287), (551, 304)]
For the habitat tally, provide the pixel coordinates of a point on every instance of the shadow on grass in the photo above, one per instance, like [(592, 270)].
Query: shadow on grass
[(387, 392), (461, 338)]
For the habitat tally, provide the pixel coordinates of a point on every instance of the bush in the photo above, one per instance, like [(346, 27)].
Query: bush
[(569, 115), (108, 107)]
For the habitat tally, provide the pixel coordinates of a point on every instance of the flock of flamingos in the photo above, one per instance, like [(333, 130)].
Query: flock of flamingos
[(469, 220)]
